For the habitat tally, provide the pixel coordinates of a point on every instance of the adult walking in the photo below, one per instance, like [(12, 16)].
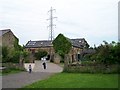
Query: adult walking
[(44, 62), (44, 65)]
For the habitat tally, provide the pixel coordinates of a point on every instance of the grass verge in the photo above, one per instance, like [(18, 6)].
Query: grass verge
[(10, 71)]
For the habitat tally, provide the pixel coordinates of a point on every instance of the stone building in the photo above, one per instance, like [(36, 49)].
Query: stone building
[(7, 38), (77, 46)]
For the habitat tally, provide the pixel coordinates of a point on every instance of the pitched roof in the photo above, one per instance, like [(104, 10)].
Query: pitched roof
[(88, 51), (35, 44), (80, 43), (2, 32)]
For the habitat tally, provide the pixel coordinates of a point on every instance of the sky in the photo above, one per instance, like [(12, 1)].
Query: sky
[(94, 20), (119, 21)]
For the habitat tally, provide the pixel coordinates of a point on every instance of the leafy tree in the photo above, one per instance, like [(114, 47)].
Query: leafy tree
[(17, 46), (10, 55), (40, 54), (116, 53), (15, 56), (25, 54), (62, 45), (108, 53), (0, 54), (5, 53)]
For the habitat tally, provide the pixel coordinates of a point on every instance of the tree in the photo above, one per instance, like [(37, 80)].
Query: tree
[(17, 46), (15, 56), (24, 53), (0, 54), (40, 54), (107, 53), (117, 53), (62, 45), (5, 53)]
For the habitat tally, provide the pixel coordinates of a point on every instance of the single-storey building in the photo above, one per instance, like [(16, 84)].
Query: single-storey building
[(77, 47)]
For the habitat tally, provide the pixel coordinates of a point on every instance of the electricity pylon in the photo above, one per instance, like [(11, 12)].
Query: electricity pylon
[(51, 25)]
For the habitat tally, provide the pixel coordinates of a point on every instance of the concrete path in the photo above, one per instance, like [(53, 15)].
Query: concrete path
[(24, 78)]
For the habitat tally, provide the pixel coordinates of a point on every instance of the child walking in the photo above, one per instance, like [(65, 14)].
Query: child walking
[(30, 68)]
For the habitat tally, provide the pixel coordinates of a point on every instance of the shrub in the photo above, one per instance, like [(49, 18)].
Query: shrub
[(40, 54), (92, 69), (14, 56), (26, 60), (88, 63), (8, 70), (5, 53), (25, 55)]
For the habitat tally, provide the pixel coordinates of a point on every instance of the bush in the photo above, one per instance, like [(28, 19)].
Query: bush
[(40, 54), (5, 53), (15, 57), (27, 60), (88, 63), (8, 70), (10, 55), (25, 56), (108, 53), (92, 69)]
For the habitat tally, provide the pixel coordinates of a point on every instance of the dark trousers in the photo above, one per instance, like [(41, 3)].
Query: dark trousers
[(44, 66), (30, 70)]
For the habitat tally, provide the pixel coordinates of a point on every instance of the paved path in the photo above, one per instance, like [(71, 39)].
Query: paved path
[(51, 67), (21, 79), (24, 78)]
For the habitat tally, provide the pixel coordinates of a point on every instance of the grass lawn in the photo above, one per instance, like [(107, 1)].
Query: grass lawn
[(72, 80)]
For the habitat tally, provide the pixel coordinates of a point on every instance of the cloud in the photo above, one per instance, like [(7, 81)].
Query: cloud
[(94, 20)]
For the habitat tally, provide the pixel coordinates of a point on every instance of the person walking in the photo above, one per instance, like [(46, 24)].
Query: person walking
[(44, 65), (30, 68)]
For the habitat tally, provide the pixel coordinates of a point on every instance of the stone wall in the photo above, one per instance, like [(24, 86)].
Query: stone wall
[(8, 39), (73, 54), (57, 59)]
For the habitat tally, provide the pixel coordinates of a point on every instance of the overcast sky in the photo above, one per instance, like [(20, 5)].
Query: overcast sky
[(94, 20)]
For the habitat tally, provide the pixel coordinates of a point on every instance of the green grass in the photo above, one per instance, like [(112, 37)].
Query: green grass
[(71, 80), (10, 72)]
